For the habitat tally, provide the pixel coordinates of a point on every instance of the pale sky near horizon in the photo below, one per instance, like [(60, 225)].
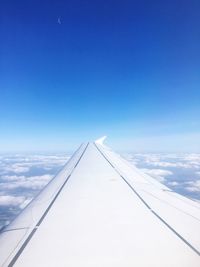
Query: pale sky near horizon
[(74, 71)]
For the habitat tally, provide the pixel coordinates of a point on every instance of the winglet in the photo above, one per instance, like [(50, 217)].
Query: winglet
[(101, 140)]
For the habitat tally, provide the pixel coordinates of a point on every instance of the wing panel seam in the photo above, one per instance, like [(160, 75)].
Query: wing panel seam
[(13, 261), (149, 208)]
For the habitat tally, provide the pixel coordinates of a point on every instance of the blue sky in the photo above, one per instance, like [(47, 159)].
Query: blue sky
[(128, 69)]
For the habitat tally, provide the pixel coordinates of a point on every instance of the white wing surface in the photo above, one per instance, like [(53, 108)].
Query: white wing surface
[(100, 211)]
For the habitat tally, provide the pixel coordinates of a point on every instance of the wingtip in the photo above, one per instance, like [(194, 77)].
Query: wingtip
[(101, 140)]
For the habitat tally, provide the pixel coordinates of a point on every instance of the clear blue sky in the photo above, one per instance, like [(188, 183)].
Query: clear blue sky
[(76, 70)]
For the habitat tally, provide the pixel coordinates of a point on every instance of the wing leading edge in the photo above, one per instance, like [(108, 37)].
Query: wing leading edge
[(101, 211)]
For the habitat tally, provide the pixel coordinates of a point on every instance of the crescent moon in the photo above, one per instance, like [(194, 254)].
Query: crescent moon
[(59, 20)]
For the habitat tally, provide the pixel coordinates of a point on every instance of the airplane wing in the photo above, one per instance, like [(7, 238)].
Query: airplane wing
[(100, 211)]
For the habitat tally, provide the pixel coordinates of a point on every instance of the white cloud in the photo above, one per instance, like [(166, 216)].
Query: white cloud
[(8, 200), (192, 157), (19, 168), (181, 161), (16, 176), (33, 182), (22, 164), (162, 164), (16, 168), (10, 178), (173, 183), (175, 164), (159, 174), (193, 186), (46, 160)]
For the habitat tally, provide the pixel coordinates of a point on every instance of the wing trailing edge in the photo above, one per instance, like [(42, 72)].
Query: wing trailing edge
[(102, 211)]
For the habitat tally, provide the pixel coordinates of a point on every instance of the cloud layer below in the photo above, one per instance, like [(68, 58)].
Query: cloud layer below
[(180, 172), (23, 176)]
